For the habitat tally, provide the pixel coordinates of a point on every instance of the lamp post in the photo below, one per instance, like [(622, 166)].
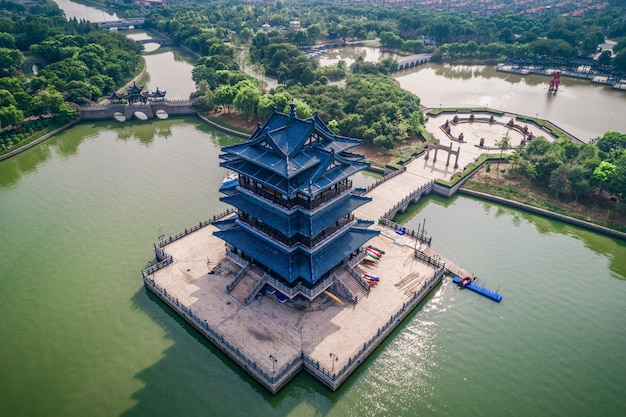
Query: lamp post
[(274, 360), (334, 359)]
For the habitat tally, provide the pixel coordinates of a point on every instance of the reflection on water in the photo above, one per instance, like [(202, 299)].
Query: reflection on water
[(82, 12), (613, 249), (482, 86), (350, 54), (67, 144)]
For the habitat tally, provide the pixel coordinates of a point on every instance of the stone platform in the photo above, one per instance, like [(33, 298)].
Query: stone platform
[(274, 341)]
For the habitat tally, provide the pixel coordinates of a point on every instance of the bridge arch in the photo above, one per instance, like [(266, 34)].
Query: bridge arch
[(119, 116)]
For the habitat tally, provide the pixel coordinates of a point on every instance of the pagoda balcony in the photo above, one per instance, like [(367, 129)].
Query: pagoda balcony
[(325, 197), (297, 239)]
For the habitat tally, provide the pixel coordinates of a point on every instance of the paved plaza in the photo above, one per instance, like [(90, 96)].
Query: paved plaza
[(266, 329)]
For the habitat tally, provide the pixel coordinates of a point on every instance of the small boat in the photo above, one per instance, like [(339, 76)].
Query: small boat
[(367, 276), (281, 297), (372, 258), (269, 290), (231, 181), (373, 252)]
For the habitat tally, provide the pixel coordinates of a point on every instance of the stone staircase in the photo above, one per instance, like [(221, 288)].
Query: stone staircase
[(246, 283), (352, 283)]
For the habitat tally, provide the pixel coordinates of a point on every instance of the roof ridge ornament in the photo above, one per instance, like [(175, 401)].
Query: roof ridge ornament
[(292, 111)]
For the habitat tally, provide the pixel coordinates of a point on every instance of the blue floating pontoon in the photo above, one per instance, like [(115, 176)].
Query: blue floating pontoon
[(470, 285)]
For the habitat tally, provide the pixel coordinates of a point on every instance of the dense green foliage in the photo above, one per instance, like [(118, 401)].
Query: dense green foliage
[(216, 29), (370, 106), (573, 171), (459, 36), (79, 63)]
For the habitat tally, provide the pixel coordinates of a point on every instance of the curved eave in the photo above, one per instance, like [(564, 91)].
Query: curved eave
[(299, 263)]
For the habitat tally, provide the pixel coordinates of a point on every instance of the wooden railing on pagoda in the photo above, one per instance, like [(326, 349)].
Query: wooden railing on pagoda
[(297, 239), (342, 187)]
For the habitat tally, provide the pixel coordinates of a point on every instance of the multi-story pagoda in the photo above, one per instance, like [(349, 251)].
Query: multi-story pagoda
[(294, 200)]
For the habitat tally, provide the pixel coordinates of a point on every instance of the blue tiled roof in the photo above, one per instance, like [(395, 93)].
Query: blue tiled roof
[(282, 155), (290, 223), (299, 263)]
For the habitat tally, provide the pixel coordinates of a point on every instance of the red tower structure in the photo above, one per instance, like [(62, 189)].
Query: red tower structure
[(555, 82)]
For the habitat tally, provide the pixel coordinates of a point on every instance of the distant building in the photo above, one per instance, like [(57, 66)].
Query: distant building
[(295, 24), (151, 3), (135, 94), (294, 200)]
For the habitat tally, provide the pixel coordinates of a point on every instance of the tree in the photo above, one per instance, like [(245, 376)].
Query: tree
[(267, 103), (618, 183), (603, 175), (303, 110), (224, 96), (7, 40), (11, 116), (10, 61), (546, 164), (81, 92), (536, 147), (246, 100), (610, 141), (48, 101), (333, 125), (6, 98), (559, 181), (503, 144), (515, 159), (203, 102), (245, 35), (313, 31), (605, 58), (579, 183)]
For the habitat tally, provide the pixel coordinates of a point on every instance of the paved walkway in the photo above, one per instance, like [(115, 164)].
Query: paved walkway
[(420, 171)]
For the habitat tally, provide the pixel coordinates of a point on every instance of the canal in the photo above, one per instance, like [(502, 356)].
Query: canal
[(81, 336)]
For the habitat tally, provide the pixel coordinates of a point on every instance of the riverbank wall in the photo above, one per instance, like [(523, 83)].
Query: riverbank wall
[(536, 210), (39, 140), (224, 128), (614, 81)]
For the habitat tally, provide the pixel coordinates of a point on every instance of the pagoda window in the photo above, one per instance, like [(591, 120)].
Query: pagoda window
[(265, 144), (268, 190), (314, 138)]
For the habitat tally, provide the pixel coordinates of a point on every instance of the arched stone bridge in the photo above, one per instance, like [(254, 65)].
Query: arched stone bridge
[(138, 110), (413, 61), (162, 42)]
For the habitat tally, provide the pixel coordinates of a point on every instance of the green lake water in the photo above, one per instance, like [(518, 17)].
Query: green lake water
[(82, 337)]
